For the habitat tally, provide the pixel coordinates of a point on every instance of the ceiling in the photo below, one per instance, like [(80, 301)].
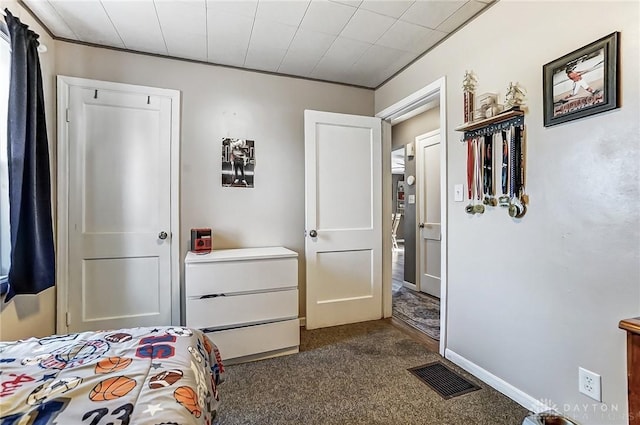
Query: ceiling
[(354, 42)]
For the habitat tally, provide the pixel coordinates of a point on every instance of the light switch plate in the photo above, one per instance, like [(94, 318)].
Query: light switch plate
[(457, 193), (412, 199)]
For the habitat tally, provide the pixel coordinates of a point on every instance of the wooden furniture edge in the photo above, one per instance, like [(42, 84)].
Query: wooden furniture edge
[(630, 325)]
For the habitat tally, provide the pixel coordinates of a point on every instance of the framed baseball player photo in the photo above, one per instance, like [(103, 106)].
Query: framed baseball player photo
[(583, 82), (238, 163)]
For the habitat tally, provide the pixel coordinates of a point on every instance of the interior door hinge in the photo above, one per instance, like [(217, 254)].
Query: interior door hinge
[(67, 115), (68, 318)]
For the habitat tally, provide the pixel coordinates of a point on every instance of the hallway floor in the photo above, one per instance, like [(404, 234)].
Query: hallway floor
[(415, 309), (397, 268)]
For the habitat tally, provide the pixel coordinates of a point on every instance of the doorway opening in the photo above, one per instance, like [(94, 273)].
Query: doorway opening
[(398, 220), (415, 167), (416, 297)]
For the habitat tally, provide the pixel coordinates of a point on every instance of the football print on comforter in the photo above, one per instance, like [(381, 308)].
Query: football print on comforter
[(141, 376)]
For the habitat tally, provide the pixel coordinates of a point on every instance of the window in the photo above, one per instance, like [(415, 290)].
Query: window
[(5, 234)]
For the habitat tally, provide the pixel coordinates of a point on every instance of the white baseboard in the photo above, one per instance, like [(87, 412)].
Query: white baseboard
[(515, 394), (410, 285), (303, 322)]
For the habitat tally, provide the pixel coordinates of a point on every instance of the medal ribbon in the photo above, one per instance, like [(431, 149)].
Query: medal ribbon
[(470, 165), (478, 168), (487, 166), (518, 161), (522, 173), (512, 163), (505, 163)]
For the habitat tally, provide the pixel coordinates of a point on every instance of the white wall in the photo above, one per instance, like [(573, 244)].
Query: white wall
[(531, 300), (34, 315), (407, 131), (220, 102)]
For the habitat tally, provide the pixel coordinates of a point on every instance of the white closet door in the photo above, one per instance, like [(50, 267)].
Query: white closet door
[(119, 209)]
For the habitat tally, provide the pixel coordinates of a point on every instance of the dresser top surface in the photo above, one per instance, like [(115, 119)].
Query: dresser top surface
[(240, 254), (631, 325)]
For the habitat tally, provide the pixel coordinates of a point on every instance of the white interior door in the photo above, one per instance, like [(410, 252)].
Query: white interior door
[(429, 213), (119, 209), (343, 218)]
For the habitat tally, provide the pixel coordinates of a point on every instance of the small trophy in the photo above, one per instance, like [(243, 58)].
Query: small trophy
[(469, 84), (515, 96)]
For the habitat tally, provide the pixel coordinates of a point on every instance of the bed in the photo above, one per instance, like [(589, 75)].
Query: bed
[(162, 375)]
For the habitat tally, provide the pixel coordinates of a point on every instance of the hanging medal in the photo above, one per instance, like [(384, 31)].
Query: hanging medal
[(487, 169), (478, 208), (523, 196), (470, 173), (503, 200), (517, 208)]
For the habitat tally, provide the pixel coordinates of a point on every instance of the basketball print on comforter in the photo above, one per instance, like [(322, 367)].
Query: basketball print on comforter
[(141, 376)]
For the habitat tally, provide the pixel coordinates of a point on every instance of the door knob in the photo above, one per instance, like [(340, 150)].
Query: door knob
[(163, 235), (421, 225), (313, 233)]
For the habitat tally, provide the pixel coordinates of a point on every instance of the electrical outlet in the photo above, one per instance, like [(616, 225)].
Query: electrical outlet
[(589, 384)]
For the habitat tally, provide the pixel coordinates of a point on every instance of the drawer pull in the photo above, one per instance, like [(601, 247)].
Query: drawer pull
[(212, 296)]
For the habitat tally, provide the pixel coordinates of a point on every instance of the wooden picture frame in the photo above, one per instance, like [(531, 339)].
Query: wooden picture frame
[(583, 82)]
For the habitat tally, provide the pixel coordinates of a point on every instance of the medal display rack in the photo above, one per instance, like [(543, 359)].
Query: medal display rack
[(492, 125), (507, 129)]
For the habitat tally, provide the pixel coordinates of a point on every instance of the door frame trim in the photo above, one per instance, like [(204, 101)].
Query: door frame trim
[(64, 84), (421, 97)]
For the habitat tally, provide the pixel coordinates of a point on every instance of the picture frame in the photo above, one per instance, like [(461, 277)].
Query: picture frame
[(238, 162), (583, 82)]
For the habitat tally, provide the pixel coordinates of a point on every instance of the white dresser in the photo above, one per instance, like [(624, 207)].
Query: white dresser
[(246, 300)]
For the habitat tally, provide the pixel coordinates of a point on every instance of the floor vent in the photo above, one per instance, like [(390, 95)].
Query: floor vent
[(443, 380)]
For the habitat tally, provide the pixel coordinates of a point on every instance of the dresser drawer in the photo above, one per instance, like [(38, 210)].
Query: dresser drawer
[(228, 277), (239, 310), (249, 340)]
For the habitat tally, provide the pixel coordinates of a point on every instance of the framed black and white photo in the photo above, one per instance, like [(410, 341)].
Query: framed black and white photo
[(238, 162), (583, 82)]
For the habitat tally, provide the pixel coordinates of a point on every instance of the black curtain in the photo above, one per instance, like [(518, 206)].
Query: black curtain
[(32, 251)]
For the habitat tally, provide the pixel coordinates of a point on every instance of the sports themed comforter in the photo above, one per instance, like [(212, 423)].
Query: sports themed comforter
[(140, 376)]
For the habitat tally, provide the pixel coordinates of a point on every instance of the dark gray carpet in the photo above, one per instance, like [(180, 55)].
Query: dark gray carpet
[(418, 310), (354, 374)]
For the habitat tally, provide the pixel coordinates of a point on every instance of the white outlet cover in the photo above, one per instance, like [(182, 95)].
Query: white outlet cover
[(412, 199), (590, 384)]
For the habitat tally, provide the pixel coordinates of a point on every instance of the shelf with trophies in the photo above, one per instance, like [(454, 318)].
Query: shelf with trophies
[(499, 128)]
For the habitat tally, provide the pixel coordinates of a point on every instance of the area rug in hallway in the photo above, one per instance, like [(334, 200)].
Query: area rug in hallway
[(418, 310)]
